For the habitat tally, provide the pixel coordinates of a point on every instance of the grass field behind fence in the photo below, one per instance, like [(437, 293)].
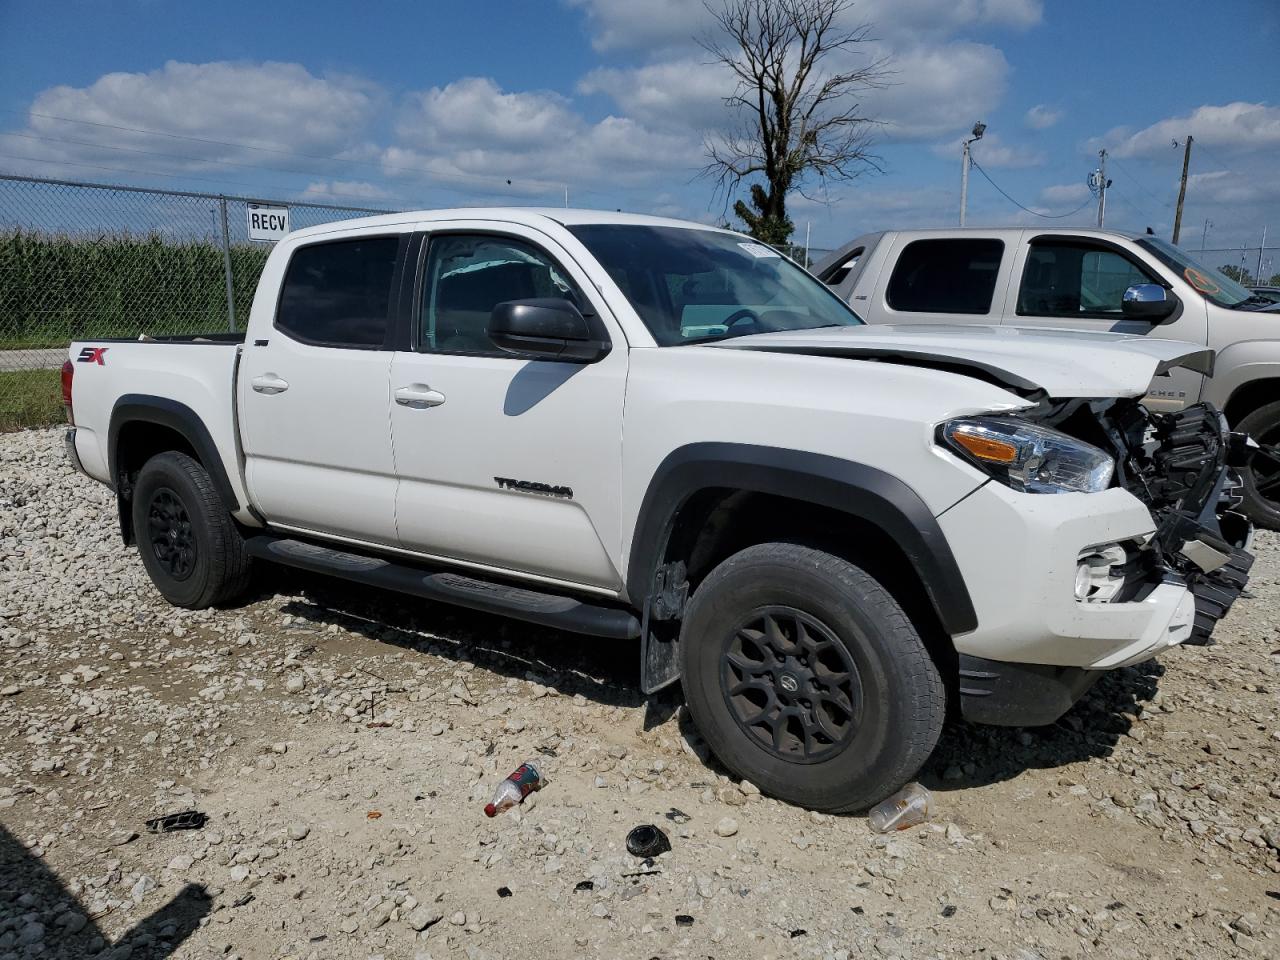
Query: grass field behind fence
[(54, 288), (30, 398)]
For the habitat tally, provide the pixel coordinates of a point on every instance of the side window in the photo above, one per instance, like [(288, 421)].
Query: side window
[(946, 276), (338, 294), (836, 276), (1075, 280), (467, 275)]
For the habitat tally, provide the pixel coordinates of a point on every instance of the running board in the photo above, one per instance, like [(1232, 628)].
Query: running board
[(532, 606)]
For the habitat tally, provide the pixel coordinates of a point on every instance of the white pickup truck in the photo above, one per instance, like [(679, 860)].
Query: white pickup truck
[(1102, 280), (645, 429)]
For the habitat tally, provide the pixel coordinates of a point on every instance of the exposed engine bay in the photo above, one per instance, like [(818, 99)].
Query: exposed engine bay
[(1183, 466)]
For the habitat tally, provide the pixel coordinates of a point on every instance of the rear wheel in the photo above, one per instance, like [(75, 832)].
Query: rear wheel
[(189, 545), (807, 679), (1262, 478)]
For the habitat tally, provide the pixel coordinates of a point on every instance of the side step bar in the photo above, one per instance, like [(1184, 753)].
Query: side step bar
[(532, 606)]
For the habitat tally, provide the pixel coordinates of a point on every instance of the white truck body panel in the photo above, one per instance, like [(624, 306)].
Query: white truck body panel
[(335, 455)]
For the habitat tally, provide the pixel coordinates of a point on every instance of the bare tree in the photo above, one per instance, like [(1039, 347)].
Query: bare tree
[(799, 118)]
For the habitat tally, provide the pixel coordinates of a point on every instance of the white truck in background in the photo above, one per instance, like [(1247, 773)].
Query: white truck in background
[(645, 429), (1097, 280)]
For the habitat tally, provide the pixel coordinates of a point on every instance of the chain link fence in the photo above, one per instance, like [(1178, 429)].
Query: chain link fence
[(1252, 266), (87, 261)]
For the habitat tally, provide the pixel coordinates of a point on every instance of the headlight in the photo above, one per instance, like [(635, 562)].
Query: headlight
[(1028, 457)]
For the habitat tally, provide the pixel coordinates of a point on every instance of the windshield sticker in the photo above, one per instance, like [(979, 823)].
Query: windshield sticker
[(1201, 281), (759, 250)]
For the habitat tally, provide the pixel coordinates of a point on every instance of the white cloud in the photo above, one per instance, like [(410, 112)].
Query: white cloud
[(687, 93), (936, 90), (1239, 126), (346, 190), (993, 153), (1041, 117), (474, 135), (278, 106), (656, 26), (1064, 194)]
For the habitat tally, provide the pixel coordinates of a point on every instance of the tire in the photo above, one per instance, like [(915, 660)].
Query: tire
[(1262, 478), (190, 546), (895, 696)]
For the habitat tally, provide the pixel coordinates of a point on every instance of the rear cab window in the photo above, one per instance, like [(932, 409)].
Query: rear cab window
[(338, 293), (946, 276)]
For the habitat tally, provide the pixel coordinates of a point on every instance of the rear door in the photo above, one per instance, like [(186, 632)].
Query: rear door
[(504, 462), (313, 391), (941, 280), (1078, 283)]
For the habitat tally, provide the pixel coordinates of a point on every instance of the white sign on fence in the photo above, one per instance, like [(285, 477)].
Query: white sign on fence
[(267, 223)]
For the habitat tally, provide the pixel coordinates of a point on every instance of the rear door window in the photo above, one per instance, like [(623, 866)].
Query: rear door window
[(338, 294), (946, 276)]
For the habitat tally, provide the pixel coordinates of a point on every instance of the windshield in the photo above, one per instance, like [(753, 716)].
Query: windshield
[(695, 286), (1209, 283)]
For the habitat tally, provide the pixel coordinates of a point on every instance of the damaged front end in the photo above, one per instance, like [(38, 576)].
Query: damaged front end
[(1184, 467)]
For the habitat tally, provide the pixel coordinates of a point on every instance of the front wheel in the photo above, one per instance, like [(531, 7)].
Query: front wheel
[(190, 546), (1262, 478), (806, 678)]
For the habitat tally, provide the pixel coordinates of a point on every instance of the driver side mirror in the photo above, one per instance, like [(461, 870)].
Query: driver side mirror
[(1150, 302), (545, 328)]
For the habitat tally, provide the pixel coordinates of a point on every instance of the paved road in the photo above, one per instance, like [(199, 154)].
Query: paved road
[(45, 359)]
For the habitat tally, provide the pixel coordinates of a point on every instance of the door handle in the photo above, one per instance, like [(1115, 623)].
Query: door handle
[(418, 396), (269, 384)]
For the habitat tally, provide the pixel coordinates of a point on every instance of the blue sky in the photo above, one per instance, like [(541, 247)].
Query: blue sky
[(440, 104)]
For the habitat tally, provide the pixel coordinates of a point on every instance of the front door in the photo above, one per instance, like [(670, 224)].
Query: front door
[(314, 391), (506, 463), (1078, 283)]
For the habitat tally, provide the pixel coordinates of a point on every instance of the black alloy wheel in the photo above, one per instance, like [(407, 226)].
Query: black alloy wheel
[(169, 529), (792, 685)]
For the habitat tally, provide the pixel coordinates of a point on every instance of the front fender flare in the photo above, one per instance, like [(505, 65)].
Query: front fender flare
[(852, 488)]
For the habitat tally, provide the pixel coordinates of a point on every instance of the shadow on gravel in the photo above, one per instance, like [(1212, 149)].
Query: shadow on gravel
[(603, 671), (39, 909), (1089, 730)]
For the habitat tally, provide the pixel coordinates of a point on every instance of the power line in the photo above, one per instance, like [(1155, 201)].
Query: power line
[(1125, 170), (177, 176), (1036, 213), (490, 180)]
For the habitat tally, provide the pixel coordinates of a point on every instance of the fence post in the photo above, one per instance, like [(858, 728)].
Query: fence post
[(226, 267)]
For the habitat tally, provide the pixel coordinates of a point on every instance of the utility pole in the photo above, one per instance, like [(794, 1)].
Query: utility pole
[(979, 129), (1257, 277), (1182, 190), (1204, 235), (808, 260), (1103, 183)]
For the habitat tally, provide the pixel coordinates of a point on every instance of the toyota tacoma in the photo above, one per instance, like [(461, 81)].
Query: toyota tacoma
[(651, 431)]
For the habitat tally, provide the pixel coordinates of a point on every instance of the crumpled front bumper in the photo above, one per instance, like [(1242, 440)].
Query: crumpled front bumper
[(1037, 647)]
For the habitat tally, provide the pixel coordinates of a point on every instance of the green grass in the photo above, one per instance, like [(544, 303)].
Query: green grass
[(30, 398)]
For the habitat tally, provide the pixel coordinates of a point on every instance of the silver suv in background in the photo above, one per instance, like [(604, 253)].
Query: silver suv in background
[(1087, 280)]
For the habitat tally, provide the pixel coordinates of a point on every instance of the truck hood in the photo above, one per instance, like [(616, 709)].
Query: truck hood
[(1029, 362)]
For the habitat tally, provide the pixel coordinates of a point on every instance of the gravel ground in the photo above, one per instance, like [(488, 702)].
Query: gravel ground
[(342, 745)]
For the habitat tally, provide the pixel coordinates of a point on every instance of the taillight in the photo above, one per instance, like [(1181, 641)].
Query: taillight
[(68, 371)]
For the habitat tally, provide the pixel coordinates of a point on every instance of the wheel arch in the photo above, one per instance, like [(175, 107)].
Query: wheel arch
[(700, 490), (142, 426), (1251, 395)]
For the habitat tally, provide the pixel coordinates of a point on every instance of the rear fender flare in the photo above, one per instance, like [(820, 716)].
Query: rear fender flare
[(178, 417)]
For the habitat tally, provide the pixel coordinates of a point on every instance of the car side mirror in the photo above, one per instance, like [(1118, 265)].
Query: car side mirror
[(1150, 302), (545, 328)]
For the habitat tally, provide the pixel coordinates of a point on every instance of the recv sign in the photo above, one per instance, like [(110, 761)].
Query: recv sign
[(267, 223)]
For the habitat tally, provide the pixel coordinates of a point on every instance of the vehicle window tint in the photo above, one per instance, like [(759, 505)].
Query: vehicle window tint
[(1074, 280), (946, 276), (838, 275), (338, 294), (467, 275)]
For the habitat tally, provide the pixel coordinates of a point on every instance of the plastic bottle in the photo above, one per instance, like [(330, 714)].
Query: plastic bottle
[(911, 805), (518, 785)]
